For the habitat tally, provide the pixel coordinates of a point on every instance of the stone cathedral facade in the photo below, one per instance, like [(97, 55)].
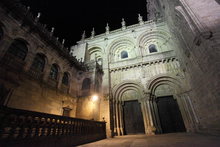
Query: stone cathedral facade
[(156, 76)]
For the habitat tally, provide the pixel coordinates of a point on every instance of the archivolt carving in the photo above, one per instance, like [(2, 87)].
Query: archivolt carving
[(95, 52), (119, 45), (122, 88), (173, 82), (149, 36)]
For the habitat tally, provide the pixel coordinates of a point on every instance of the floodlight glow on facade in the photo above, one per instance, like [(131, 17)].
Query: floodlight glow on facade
[(94, 98)]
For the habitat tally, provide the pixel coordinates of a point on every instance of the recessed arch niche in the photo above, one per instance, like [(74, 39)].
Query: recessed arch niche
[(120, 45)]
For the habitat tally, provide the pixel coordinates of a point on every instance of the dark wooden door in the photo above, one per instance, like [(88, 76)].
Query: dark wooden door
[(133, 119), (170, 116)]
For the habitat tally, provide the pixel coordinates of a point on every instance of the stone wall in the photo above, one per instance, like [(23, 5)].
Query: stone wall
[(28, 88), (195, 25)]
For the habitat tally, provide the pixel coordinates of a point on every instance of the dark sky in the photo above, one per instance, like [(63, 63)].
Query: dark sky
[(71, 17)]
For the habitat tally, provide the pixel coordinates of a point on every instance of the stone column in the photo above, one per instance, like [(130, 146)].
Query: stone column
[(60, 78), (155, 115), (121, 118), (117, 117), (114, 117), (46, 72), (28, 61), (147, 115)]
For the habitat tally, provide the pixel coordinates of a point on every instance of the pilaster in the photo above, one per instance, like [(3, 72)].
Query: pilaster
[(147, 114)]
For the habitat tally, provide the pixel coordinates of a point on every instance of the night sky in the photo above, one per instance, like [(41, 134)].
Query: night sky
[(71, 17)]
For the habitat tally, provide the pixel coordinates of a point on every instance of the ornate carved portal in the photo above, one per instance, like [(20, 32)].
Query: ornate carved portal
[(174, 113), (133, 117), (148, 115)]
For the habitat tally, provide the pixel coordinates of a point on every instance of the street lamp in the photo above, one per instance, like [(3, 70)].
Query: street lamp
[(94, 98)]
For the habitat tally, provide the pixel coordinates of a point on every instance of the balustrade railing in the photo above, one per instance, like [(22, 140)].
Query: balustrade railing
[(28, 128)]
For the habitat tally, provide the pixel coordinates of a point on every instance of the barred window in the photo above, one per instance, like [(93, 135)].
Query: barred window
[(19, 49), (39, 63), (124, 54), (54, 72), (86, 84), (152, 48), (65, 79)]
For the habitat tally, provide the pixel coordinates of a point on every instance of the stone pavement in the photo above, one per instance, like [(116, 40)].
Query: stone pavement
[(163, 140)]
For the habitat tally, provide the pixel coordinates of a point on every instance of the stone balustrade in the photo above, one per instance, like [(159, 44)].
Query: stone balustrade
[(28, 128)]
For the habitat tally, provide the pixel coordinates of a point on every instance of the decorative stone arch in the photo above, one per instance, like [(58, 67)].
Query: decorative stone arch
[(45, 60), (95, 53), (31, 46), (157, 37), (168, 79), (118, 102), (59, 70), (182, 18), (45, 56), (119, 89), (119, 45), (179, 93), (12, 49), (68, 76)]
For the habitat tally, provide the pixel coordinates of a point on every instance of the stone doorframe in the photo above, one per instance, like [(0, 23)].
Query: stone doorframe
[(148, 104), (181, 95), (118, 103)]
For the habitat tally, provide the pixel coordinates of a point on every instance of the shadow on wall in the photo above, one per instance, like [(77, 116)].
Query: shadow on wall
[(218, 1)]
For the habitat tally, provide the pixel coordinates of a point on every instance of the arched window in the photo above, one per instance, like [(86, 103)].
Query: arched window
[(124, 54), (65, 79), (19, 49), (86, 84), (39, 63), (152, 48), (54, 72)]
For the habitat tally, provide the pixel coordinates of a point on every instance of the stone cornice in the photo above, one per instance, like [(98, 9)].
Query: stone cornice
[(143, 63)]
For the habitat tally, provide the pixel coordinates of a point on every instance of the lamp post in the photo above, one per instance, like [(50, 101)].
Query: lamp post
[(94, 98)]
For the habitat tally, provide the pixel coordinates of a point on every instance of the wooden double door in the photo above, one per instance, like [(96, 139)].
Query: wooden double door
[(170, 116), (133, 118)]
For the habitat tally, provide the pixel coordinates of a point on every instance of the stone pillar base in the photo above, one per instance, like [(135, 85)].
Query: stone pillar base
[(151, 130)]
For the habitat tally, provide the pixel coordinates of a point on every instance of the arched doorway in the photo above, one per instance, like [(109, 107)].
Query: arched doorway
[(169, 114), (127, 110), (132, 114), (169, 105)]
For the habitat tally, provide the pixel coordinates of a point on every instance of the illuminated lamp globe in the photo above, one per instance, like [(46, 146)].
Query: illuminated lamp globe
[(94, 98)]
